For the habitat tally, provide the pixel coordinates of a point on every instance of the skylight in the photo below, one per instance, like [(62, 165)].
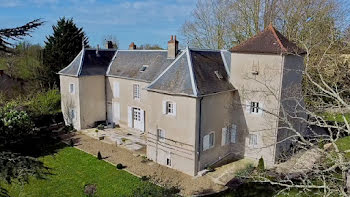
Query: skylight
[(218, 75), (144, 67)]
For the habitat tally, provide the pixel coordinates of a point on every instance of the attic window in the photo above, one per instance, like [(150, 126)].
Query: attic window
[(144, 67), (218, 75)]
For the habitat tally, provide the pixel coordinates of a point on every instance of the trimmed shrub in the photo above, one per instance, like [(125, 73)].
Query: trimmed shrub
[(261, 165), (99, 156), (119, 166)]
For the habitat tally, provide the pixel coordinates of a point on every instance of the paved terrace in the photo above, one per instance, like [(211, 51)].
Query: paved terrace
[(127, 147)]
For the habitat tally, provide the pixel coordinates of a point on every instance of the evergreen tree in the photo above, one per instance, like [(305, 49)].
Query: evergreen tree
[(62, 47)]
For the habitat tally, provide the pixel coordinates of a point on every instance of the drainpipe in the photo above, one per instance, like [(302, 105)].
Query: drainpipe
[(199, 132)]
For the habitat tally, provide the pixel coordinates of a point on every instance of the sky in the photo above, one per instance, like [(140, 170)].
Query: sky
[(142, 22)]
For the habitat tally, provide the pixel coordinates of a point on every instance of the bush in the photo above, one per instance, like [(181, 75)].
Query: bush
[(45, 103), (100, 127), (119, 166), (99, 156), (90, 189), (145, 178), (261, 165)]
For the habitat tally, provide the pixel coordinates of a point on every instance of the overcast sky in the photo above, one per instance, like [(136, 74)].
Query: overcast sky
[(148, 21)]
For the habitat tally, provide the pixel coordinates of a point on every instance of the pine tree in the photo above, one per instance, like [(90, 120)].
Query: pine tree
[(62, 47)]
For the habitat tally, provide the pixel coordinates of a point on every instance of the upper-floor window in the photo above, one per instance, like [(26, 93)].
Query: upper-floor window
[(136, 91), (161, 134), (253, 139), (169, 108), (71, 88), (229, 134), (143, 68), (116, 89), (208, 141), (254, 107)]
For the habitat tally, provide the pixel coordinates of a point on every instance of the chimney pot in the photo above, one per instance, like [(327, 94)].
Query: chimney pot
[(132, 46), (171, 37), (175, 38), (109, 44), (173, 46)]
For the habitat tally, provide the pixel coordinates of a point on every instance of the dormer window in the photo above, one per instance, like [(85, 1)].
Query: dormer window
[(218, 75), (144, 67)]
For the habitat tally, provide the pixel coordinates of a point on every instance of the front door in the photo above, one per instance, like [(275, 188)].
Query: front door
[(137, 118)]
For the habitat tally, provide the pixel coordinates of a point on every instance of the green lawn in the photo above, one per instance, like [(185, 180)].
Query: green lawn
[(335, 117), (71, 170), (344, 145)]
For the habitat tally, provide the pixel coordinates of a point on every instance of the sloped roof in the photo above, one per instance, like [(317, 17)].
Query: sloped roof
[(269, 41), (88, 62), (194, 74), (128, 64)]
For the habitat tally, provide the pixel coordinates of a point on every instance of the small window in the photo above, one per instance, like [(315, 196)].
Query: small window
[(229, 134), (253, 139), (254, 107), (144, 67), (71, 88), (218, 74), (136, 91), (161, 134), (208, 141), (168, 161), (169, 108), (72, 114)]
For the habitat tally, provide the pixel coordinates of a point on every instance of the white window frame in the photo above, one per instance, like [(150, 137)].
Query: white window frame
[(116, 89), (254, 107), (169, 108), (251, 141), (161, 134), (136, 93), (229, 135), (72, 88), (209, 145)]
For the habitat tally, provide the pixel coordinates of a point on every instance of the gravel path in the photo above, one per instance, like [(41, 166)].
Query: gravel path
[(159, 174)]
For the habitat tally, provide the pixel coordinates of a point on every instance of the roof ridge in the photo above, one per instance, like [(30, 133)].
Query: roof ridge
[(277, 38), (249, 39)]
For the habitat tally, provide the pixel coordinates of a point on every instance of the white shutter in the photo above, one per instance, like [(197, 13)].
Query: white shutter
[(247, 107), (142, 117), (260, 108), (205, 142), (130, 116), (233, 133), (164, 107), (223, 136), (116, 89), (174, 109)]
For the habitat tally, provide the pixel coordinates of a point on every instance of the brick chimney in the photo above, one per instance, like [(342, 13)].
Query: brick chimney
[(109, 44), (132, 46), (173, 47)]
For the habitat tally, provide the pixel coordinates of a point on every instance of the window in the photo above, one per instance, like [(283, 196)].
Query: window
[(168, 161), (137, 114), (161, 134), (116, 90), (253, 139), (136, 91), (208, 141), (229, 135), (71, 88), (254, 107), (169, 108), (144, 67), (72, 114)]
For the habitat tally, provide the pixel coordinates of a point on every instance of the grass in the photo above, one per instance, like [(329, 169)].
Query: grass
[(344, 145), (71, 170)]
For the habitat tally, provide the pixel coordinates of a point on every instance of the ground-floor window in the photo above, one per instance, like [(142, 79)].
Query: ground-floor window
[(168, 160), (161, 134), (253, 139)]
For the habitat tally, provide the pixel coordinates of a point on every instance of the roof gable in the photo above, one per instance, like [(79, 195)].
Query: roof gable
[(269, 41)]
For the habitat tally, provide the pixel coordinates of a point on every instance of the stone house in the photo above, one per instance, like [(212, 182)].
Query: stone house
[(197, 107)]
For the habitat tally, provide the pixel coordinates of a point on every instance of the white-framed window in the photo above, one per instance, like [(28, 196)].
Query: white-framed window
[(161, 134), (168, 161), (136, 91), (116, 89), (254, 107), (72, 114), (253, 140), (208, 141), (169, 108), (229, 134), (143, 68), (71, 88)]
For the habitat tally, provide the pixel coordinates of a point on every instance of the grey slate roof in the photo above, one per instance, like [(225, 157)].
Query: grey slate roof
[(193, 74), (89, 63), (128, 63), (176, 79)]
